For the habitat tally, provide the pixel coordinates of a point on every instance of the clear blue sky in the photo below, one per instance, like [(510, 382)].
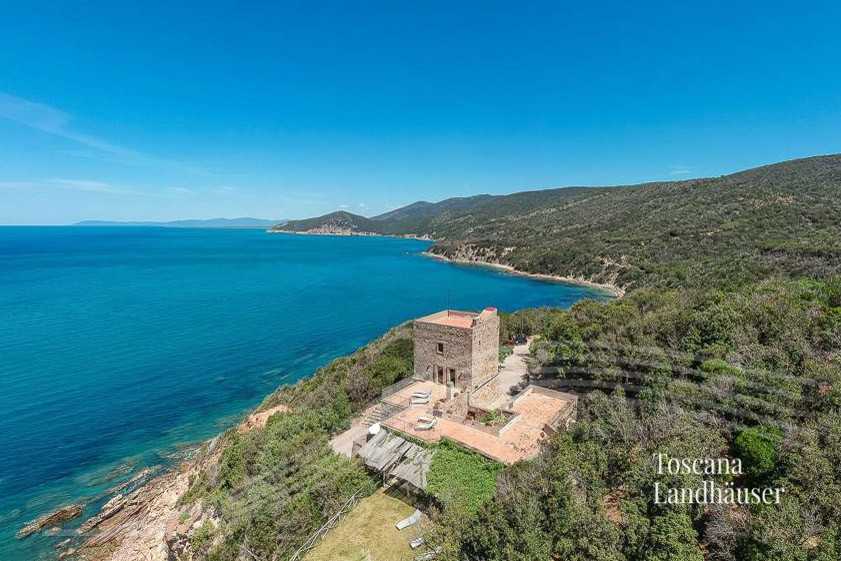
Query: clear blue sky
[(162, 110)]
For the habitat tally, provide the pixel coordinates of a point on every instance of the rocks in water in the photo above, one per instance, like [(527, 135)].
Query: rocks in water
[(56, 517), (108, 510), (138, 478)]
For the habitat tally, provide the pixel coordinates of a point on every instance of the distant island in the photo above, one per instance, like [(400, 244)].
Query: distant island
[(243, 222)]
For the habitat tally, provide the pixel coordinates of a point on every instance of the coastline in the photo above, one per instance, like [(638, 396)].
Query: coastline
[(148, 520), (350, 234), (613, 290), (149, 503)]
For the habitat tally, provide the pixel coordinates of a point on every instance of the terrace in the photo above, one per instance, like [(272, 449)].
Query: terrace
[(523, 425), (451, 318)]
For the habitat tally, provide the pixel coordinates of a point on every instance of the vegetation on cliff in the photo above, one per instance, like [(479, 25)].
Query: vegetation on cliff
[(728, 345), (275, 485), (778, 219), (753, 373)]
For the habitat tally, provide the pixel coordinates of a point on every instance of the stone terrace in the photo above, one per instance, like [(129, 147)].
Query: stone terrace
[(403, 397), (451, 318), (536, 413)]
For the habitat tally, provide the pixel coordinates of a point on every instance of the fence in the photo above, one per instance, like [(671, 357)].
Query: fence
[(331, 523), (397, 386)]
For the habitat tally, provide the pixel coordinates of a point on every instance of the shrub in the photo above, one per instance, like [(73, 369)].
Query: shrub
[(757, 448), (460, 478)]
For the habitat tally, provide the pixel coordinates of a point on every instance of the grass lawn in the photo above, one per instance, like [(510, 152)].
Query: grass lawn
[(367, 533)]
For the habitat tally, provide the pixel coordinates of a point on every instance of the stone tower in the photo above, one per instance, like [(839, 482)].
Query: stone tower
[(459, 348)]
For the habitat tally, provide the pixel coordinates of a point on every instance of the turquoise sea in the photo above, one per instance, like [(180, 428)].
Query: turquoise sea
[(121, 347)]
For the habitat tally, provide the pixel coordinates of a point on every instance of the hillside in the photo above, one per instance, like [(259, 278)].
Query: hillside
[(338, 223), (783, 218), (725, 364)]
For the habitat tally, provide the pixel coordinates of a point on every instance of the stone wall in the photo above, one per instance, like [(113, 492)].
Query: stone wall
[(458, 348), (485, 359)]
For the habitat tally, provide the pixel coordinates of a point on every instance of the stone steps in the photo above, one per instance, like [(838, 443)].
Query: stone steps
[(380, 413)]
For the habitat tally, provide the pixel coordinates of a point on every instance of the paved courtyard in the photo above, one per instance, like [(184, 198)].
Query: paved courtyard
[(535, 410)]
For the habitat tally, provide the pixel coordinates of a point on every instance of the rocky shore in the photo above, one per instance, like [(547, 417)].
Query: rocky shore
[(468, 258), (147, 523), (53, 519), (330, 231), (143, 518)]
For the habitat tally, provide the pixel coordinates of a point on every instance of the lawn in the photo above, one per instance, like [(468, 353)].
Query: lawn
[(367, 533)]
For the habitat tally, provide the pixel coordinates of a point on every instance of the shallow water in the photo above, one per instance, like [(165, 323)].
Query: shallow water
[(119, 347)]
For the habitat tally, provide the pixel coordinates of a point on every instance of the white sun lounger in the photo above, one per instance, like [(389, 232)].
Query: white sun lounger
[(410, 520), (429, 555), (420, 400), (425, 423), (427, 393), (416, 543)]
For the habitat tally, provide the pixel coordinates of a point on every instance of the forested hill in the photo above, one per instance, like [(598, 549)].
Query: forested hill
[(751, 372), (339, 222), (783, 219)]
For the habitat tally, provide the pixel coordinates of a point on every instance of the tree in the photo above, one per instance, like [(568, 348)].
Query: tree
[(673, 538), (757, 448)]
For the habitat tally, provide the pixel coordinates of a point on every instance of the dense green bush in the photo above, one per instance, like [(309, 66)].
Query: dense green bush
[(752, 371), (460, 478), (757, 448)]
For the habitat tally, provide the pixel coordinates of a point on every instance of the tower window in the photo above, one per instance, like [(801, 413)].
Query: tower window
[(440, 348)]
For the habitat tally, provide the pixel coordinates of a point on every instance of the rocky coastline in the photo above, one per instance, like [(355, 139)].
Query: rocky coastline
[(463, 258), (347, 232), (613, 289), (143, 518), (147, 523)]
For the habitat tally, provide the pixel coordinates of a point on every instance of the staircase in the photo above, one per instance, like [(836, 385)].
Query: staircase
[(380, 413)]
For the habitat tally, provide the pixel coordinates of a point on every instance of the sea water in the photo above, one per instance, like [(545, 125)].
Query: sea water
[(121, 347)]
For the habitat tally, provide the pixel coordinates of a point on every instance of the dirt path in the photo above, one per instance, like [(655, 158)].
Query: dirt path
[(497, 393), (514, 369)]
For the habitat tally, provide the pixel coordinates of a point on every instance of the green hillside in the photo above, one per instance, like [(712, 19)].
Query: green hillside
[(728, 345), (336, 222), (778, 219)]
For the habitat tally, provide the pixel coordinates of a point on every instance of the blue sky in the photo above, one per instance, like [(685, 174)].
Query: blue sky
[(279, 109)]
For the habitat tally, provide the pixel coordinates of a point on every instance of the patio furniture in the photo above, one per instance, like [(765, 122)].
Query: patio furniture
[(426, 423), (429, 555), (416, 543), (420, 400), (409, 520)]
